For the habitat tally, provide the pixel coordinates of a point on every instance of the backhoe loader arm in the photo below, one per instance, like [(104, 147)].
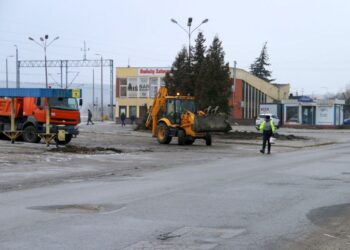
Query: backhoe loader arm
[(158, 104)]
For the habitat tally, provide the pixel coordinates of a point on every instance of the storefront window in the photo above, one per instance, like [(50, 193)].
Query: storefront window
[(308, 115), (292, 114), (123, 86), (132, 111), (132, 87), (153, 83), (143, 87), (162, 82)]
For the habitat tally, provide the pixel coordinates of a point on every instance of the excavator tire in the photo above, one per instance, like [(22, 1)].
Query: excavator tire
[(181, 137), (30, 134), (163, 134), (207, 139), (189, 141)]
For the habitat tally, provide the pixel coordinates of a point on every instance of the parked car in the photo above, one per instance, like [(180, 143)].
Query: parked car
[(346, 121), (262, 117)]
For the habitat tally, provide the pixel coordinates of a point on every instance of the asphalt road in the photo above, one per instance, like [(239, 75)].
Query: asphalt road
[(229, 202)]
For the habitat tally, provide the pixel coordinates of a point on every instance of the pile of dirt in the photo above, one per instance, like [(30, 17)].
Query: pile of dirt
[(245, 135), (85, 150)]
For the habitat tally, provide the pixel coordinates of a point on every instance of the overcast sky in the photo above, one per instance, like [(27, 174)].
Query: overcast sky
[(308, 41)]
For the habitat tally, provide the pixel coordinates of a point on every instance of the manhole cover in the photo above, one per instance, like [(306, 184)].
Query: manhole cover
[(78, 208)]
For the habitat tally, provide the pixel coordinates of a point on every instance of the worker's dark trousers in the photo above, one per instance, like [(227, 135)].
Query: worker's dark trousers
[(266, 138)]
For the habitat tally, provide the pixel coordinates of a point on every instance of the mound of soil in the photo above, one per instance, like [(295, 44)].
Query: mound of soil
[(244, 135), (85, 150)]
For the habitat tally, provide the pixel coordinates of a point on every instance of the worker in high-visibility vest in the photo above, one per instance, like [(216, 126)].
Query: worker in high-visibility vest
[(268, 128)]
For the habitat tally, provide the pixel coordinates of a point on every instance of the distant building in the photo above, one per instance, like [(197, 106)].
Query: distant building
[(303, 110), (136, 87), (249, 91)]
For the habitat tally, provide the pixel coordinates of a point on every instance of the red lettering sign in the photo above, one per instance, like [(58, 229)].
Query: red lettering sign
[(153, 71)]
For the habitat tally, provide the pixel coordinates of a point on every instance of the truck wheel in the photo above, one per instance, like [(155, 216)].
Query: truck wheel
[(30, 134), (181, 137), (67, 140), (163, 134), (208, 139)]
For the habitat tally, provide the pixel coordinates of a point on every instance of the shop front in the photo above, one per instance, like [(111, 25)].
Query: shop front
[(313, 112)]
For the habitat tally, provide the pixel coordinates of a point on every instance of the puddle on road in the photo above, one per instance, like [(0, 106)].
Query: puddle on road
[(330, 216), (86, 150), (79, 208)]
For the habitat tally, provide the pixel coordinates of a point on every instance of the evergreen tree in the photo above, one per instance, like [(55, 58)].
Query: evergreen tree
[(179, 80), (197, 60), (199, 54), (258, 68), (213, 85)]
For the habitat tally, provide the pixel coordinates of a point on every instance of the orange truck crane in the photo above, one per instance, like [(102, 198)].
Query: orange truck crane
[(28, 110), (176, 116)]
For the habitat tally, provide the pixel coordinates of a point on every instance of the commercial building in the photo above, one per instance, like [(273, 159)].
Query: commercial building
[(249, 91), (306, 111), (136, 87)]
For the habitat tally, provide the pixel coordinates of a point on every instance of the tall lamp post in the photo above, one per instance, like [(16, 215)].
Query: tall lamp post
[(189, 31), (44, 44), (17, 67), (101, 86), (7, 71)]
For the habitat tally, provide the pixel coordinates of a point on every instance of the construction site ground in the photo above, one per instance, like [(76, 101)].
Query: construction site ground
[(107, 150)]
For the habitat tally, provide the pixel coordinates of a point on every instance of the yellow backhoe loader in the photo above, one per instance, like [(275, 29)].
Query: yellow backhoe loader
[(176, 116)]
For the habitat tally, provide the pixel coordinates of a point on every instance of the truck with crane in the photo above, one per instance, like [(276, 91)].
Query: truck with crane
[(30, 115), (176, 116)]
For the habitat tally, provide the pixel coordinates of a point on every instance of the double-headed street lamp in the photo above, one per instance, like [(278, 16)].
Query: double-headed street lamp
[(189, 31), (44, 44), (7, 71)]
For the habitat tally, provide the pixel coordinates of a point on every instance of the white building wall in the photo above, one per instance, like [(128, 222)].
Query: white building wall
[(324, 115)]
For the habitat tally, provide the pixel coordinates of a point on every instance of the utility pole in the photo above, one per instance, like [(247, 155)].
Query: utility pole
[(101, 86), (7, 72), (84, 49), (234, 87), (17, 68), (234, 74), (61, 68), (93, 89)]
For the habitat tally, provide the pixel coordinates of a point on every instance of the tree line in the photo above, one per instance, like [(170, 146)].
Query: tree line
[(203, 73)]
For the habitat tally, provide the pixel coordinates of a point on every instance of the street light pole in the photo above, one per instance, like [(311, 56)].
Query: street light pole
[(45, 66), (189, 32), (101, 86), (44, 45), (7, 72), (17, 68), (93, 89)]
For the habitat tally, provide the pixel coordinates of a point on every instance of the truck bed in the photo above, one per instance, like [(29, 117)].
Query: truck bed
[(5, 107)]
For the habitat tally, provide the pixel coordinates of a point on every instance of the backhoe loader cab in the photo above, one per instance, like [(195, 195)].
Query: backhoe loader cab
[(176, 116), (175, 106)]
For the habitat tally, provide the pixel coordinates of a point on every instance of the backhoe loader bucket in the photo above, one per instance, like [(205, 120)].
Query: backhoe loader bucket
[(211, 123)]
